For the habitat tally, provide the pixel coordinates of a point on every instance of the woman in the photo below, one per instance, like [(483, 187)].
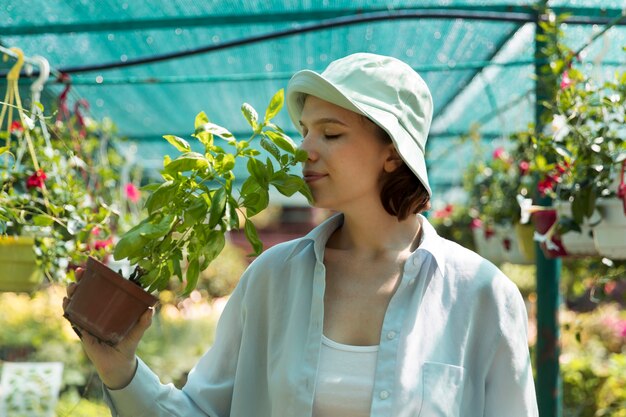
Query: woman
[(371, 313)]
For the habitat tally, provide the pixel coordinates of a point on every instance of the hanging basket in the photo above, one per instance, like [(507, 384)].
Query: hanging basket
[(18, 268), (610, 233), (578, 243), (510, 245), (489, 245)]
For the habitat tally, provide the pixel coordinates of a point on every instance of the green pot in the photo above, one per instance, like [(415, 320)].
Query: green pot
[(18, 268)]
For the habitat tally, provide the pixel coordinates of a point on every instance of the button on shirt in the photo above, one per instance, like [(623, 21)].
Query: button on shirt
[(453, 342)]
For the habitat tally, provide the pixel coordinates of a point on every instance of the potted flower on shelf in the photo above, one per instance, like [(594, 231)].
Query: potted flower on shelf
[(586, 179), (188, 215)]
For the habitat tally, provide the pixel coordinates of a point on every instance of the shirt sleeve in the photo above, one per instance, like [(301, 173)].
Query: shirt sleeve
[(209, 387), (510, 389)]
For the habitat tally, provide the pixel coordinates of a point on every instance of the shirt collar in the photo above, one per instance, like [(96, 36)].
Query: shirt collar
[(430, 241)]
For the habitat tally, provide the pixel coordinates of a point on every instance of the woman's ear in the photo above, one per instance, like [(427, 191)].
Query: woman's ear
[(393, 160)]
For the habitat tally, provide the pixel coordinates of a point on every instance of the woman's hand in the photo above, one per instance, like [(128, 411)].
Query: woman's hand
[(115, 365)]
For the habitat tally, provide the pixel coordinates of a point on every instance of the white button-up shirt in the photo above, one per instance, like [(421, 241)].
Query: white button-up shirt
[(453, 342)]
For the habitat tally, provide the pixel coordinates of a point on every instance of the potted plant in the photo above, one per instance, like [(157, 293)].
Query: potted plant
[(47, 199), (493, 186), (188, 215), (588, 148)]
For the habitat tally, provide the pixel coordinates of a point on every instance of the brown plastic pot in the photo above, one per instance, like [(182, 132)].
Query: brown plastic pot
[(105, 304)]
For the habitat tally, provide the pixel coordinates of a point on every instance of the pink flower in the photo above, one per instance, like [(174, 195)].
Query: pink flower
[(499, 153), (36, 180), (523, 166), (566, 81), (103, 244), (476, 224), (132, 193)]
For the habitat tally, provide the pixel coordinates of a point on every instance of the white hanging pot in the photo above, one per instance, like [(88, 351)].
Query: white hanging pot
[(510, 245), (610, 233), (578, 243), (489, 245)]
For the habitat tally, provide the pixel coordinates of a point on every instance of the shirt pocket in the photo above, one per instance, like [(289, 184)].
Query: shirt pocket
[(443, 389)]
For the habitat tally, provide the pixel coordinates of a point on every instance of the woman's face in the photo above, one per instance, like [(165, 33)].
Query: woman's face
[(346, 156)]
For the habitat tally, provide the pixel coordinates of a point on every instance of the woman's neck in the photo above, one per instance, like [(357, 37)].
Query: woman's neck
[(375, 233)]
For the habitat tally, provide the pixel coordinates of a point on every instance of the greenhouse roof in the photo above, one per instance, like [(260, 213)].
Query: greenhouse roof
[(151, 66)]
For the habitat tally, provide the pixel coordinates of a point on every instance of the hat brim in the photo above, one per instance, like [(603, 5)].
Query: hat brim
[(307, 82)]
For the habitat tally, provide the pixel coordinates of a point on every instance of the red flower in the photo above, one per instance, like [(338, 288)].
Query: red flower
[(489, 232), (523, 166), (132, 193), (36, 180), (545, 185), (507, 244), (16, 126), (566, 81), (443, 213)]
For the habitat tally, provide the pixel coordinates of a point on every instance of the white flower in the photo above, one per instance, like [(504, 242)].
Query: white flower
[(559, 127)]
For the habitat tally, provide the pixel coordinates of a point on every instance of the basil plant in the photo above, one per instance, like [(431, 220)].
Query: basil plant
[(189, 212)]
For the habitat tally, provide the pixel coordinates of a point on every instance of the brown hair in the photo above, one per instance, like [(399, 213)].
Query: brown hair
[(402, 193)]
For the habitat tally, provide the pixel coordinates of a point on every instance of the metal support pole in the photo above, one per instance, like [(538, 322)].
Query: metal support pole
[(548, 382)]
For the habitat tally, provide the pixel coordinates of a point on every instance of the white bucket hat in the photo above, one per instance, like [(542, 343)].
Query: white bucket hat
[(384, 89)]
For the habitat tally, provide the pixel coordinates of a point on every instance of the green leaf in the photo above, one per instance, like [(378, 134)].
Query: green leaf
[(214, 246), (276, 103), (301, 155), (218, 131), (161, 197), (201, 120), (130, 244), (179, 143), (43, 220), (258, 170), (270, 147), (283, 141), (253, 238), (286, 184), (193, 272), (4, 149), (218, 204), (251, 116), (259, 204), (187, 162)]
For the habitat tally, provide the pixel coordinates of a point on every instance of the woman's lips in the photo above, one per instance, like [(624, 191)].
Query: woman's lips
[(310, 177)]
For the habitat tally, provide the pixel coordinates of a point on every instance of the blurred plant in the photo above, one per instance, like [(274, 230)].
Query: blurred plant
[(593, 361), (493, 185), (453, 222)]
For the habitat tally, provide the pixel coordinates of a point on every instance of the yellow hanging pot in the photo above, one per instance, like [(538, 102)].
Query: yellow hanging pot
[(18, 268)]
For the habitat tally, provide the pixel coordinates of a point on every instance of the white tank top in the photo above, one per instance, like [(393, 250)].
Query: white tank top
[(345, 380)]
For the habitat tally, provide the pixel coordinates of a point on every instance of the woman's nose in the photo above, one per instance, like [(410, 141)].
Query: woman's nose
[(308, 145)]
